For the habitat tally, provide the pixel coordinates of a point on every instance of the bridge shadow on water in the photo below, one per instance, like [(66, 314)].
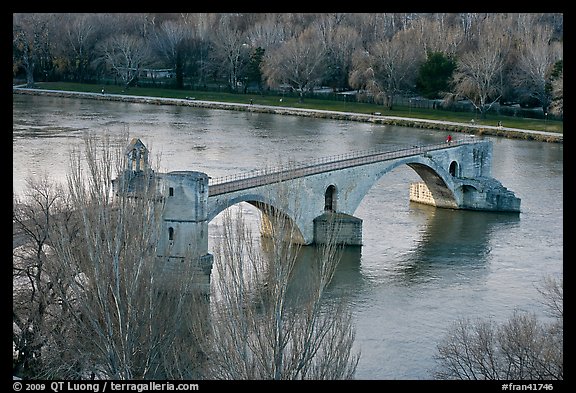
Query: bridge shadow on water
[(454, 240), (347, 276), (451, 242)]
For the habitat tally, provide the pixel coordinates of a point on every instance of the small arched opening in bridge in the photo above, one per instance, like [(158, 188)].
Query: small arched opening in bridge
[(453, 170), (330, 199)]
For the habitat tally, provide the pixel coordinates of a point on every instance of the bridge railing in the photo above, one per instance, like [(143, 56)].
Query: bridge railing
[(294, 170)]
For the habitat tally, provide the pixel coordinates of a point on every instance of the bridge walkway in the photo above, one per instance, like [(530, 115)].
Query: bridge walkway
[(246, 180)]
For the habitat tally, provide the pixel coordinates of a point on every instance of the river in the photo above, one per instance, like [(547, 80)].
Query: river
[(419, 268)]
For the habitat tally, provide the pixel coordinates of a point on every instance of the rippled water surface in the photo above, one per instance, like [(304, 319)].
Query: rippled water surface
[(419, 268)]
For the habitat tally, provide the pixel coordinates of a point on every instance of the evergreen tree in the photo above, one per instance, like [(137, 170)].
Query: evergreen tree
[(435, 75)]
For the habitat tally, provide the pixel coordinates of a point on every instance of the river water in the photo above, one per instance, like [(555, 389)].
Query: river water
[(419, 268)]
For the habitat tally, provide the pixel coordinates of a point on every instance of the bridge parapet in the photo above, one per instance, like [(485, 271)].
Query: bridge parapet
[(292, 171)]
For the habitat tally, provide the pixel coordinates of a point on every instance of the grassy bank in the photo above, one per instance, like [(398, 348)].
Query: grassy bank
[(312, 103)]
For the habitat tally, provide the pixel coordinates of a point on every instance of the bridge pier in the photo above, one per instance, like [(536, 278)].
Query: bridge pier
[(338, 228), (485, 194), (488, 194), (330, 227), (462, 179)]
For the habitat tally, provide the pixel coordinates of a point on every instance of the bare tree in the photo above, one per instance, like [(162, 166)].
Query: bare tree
[(264, 324), (113, 311), (30, 41), (129, 323), (198, 50), (387, 68), (374, 27), (340, 42), (125, 54), (298, 62), (536, 62), (552, 291), (437, 34), (230, 48), (268, 33), (172, 41), (479, 73), (79, 34), (521, 348), (34, 312)]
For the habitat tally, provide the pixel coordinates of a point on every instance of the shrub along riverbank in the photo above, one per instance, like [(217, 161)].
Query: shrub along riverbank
[(522, 128)]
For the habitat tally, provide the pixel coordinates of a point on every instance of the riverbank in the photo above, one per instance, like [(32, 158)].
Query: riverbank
[(446, 126)]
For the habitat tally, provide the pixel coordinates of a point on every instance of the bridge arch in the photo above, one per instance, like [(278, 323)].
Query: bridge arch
[(440, 184), (272, 208), (437, 178)]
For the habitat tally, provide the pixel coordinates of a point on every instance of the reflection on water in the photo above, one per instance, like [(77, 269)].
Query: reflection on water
[(454, 238), (347, 276), (450, 242)]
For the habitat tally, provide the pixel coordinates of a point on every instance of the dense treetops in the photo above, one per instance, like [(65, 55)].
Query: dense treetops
[(481, 57)]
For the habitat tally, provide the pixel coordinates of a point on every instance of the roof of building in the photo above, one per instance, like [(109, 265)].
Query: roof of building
[(135, 143)]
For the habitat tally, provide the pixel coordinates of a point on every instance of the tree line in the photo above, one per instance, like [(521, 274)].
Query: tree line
[(483, 58)]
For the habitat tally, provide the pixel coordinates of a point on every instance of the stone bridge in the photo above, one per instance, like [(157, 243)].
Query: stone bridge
[(313, 195), (455, 175)]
